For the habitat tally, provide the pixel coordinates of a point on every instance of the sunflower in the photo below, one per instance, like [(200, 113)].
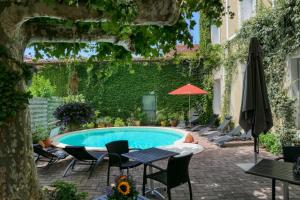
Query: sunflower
[(124, 188)]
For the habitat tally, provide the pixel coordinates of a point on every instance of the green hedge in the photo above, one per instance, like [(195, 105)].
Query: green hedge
[(117, 91), (271, 142)]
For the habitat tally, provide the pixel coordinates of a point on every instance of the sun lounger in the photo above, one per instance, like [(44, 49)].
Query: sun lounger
[(233, 133), (221, 128), (227, 138), (83, 157), (50, 156), (210, 124)]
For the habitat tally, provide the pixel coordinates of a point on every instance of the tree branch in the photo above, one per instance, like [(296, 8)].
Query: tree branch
[(150, 12), (36, 32)]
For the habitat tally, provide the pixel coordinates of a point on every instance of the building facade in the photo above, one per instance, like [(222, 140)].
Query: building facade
[(243, 10)]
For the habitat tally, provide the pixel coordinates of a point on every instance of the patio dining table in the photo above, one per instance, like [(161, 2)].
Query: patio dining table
[(147, 157), (275, 170)]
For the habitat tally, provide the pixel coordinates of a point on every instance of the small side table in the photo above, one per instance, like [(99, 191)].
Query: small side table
[(104, 197)]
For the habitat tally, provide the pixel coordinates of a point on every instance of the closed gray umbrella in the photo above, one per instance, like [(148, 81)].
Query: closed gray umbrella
[(255, 109)]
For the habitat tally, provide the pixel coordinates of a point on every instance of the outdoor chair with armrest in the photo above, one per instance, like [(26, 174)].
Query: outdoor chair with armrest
[(115, 150), (290, 154), (83, 157), (177, 173), (51, 156)]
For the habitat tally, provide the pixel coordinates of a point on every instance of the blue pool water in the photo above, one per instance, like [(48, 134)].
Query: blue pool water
[(138, 137)]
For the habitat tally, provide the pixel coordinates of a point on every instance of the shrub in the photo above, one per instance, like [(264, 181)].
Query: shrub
[(74, 114), (74, 99), (174, 116), (41, 87), (119, 122), (108, 121), (270, 142), (65, 191)]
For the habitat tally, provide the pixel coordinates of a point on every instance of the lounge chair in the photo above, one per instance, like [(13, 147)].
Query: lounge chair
[(217, 135), (54, 132), (181, 125), (83, 157), (235, 136), (221, 128), (51, 155), (210, 123)]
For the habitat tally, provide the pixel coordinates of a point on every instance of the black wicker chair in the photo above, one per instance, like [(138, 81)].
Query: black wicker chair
[(290, 153), (115, 150), (177, 173), (83, 157)]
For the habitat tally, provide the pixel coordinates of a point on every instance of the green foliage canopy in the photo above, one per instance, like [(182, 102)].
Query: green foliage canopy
[(41, 87), (147, 41)]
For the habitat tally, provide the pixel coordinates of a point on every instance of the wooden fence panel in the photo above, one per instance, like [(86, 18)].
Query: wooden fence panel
[(41, 110)]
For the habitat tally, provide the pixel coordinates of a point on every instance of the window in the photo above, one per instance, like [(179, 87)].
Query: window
[(217, 97), (215, 35), (295, 86), (246, 10)]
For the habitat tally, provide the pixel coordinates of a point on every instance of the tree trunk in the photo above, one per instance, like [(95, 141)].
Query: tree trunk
[(18, 176)]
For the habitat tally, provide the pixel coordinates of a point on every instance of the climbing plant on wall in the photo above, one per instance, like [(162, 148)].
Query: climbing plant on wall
[(278, 31), (11, 99)]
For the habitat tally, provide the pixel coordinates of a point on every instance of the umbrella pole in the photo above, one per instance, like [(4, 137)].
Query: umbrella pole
[(256, 146), (190, 124), (255, 150)]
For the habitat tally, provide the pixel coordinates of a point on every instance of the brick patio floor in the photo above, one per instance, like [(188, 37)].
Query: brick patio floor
[(213, 172)]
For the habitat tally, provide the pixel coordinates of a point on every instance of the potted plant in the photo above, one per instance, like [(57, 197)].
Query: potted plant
[(73, 115), (100, 122), (124, 188), (139, 116), (108, 121), (173, 119), (119, 122), (162, 118), (40, 136), (130, 121)]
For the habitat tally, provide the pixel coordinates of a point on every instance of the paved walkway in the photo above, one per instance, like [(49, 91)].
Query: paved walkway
[(213, 173)]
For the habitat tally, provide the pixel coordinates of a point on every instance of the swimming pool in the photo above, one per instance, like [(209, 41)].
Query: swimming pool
[(138, 137)]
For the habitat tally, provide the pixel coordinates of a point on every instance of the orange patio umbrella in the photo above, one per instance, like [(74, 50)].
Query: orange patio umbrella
[(188, 89)]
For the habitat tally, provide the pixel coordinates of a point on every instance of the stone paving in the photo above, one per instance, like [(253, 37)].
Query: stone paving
[(213, 172)]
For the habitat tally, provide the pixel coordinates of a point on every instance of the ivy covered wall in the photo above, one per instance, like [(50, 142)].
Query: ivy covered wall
[(278, 30), (117, 90)]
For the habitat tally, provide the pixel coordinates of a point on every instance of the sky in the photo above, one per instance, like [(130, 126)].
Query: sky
[(195, 33)]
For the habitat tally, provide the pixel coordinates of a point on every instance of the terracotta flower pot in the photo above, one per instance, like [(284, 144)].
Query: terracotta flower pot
[(163, 123), (137, 123), (109, 125), (47, 142), (173, 122), (101, 125)]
